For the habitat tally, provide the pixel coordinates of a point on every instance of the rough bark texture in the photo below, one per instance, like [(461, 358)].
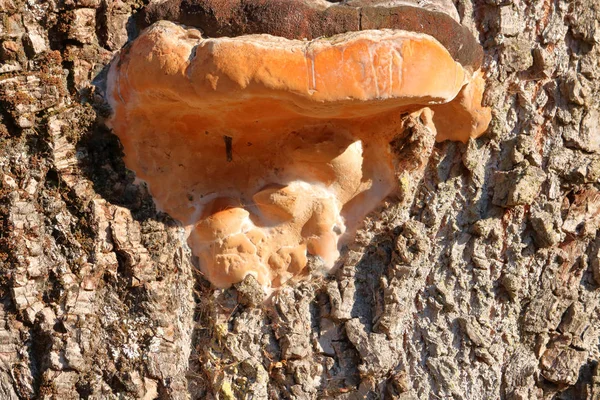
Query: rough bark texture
[(481, 280)]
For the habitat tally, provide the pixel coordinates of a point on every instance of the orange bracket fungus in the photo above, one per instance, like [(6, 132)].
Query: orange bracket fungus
[(272, 146)]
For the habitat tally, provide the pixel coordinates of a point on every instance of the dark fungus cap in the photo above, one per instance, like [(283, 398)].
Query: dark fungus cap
[(310, 19)]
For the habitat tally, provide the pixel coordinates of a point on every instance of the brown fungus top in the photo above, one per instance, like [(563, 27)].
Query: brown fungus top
[(272, 150), (312, 19)]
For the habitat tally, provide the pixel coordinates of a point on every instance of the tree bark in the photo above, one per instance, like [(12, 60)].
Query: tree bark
[(480, 280)]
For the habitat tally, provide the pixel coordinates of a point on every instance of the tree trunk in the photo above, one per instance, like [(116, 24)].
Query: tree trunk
[(481, 280)]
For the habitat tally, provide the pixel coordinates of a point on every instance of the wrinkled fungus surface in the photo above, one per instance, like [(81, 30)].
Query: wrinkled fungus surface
[(271, 150)]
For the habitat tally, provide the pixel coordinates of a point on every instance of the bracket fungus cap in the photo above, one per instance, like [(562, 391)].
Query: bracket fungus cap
[(271, 150)]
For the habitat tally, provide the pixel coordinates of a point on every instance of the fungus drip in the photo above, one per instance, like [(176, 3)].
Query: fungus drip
[(271, 150)]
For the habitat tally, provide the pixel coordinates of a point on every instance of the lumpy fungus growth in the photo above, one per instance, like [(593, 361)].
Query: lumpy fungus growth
[(271, 150)]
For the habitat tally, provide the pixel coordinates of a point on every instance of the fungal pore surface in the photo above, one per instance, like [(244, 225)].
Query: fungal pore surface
[(272, 150)]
